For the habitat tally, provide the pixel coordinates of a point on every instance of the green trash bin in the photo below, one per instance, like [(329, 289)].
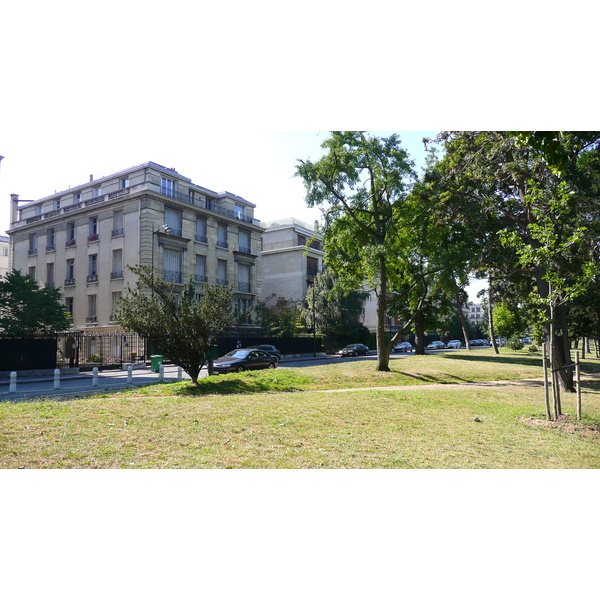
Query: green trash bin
[(155, 362)]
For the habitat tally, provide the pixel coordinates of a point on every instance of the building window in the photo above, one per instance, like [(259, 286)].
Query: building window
[(201, 268), (71, 233), (77, 198), (173, 263), (201, 230), (32, 244), (70, 278), (301, 240), (92, 316), (244, 278), (50, 239), (124, 183), (117, 264), (221, 272), (93, 230), (117, 223), (210, 203), (244, 241), (173, 220), (96, 192), (240, 212), (49, 274), (116, 298), (191, 196), (32, 272), (69, 305), (222, 236), (168, 187), (92, 268), (244, 307), (312, 266), (57, 204)]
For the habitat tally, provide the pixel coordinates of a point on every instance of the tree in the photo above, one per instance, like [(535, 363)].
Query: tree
[(361, 183), (183, 326), (278, 316), (544, 218), (335, 312), (27, 309), (508, 319)]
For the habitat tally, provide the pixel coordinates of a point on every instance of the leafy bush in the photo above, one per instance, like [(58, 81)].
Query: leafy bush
[(532, 348), (515, 343), (94, 358)]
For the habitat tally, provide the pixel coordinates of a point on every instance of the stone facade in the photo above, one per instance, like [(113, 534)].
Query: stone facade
[(83, 239), (292, 254), (4, 246)]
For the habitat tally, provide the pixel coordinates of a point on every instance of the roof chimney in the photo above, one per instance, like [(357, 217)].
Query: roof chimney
[(91, 178), (14, 208)]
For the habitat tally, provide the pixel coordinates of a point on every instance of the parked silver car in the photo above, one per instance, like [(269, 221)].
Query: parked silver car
[(403, 347), (436, 346), (453, 344)]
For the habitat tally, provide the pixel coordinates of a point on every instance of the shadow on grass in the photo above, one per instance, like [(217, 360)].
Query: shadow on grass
[(244, 383), (530, 361), (587, 365), (433, 378)]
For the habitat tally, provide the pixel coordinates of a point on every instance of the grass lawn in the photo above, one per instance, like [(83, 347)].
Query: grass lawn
[(294, 418)]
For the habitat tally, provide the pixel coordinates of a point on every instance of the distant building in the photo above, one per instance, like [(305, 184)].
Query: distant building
[(291, 255), (474, 313), (83, 239), (4, 245)]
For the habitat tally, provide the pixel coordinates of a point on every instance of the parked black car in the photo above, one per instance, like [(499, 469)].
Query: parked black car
[(244, 359), (354, 350), (268, 349)]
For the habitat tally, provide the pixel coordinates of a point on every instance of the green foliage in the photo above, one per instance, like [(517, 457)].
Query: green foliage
[(533, 349), (515, 343), (181, 325), (335, 312), (508, 320), (279, 317), (26, 309)]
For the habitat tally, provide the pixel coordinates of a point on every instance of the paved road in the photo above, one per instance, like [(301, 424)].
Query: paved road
[(82, 383)]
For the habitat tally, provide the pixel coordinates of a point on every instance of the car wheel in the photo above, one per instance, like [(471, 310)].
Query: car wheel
[(272, 365), (240, 369)]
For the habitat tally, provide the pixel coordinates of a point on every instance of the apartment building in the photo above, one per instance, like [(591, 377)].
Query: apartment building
[(474, 313), (83, 239), (4, 245), (291, 255)]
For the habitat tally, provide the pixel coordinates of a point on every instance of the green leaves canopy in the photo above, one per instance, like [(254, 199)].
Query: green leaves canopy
[(182, 325), (27, 309)]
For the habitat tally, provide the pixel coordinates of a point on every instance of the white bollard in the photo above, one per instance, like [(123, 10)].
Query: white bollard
[(129, 374), (95, 376), (161, 373), (13, 382), (179, 373), (57, 379)]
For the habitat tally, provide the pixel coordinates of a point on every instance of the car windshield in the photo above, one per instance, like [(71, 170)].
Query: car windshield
[(350, 347), (237, 354)]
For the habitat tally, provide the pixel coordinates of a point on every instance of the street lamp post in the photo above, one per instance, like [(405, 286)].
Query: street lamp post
[(165, 229)]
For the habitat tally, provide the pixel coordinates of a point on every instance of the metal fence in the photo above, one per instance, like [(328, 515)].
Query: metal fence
[(105, 351)]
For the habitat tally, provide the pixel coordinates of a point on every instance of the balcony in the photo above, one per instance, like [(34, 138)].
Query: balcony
[(117, 232), (69, 282), (93, 278), (202, 239), (70, 243), (222, 244), (32, 252), (50, 248), (91, 319), (222, 281), (116, 275), (244, 286), (93, 237), (245, 250), (202, 278), (173, 276)]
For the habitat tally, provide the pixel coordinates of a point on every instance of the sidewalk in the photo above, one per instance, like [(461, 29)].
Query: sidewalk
[(38, 387)]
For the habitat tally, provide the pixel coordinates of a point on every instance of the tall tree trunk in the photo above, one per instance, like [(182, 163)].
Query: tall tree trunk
[(563, 349), (419, 333), (384, 345), (490, 316), (463, 320)]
